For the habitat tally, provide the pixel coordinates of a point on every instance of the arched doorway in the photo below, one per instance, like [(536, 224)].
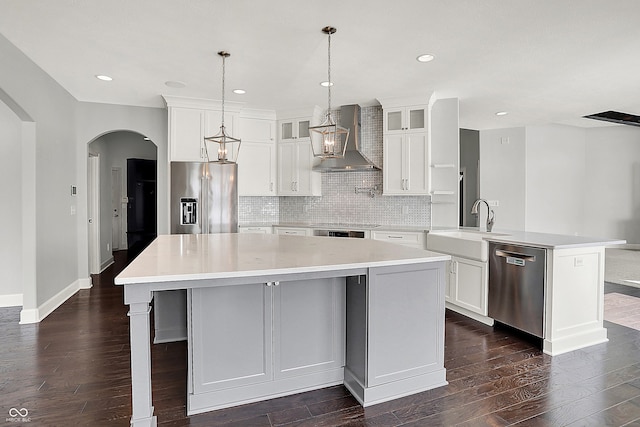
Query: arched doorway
[(120, 153)]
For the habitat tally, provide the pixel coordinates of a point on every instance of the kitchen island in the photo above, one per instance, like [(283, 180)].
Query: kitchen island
[(271, 315), (563, 306)]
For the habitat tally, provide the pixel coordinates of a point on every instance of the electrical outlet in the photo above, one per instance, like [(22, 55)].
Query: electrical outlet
[(493, 203), (108, 247), (73, 210)]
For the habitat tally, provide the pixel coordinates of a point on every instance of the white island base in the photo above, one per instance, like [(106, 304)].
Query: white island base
[(272, 315)]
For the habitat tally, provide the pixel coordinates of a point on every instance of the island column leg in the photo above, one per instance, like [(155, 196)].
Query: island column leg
[(140, 338)]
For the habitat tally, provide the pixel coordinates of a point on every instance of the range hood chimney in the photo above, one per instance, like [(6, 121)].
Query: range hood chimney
[(353, 159)]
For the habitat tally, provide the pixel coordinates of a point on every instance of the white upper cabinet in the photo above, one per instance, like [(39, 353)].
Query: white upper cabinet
[(295, 129), (186, 134), (295, 156), (405, 147), (257, 158), (191, 120), (403, 119)]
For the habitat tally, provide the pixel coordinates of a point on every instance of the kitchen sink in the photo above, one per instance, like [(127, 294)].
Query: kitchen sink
[(462, 243)]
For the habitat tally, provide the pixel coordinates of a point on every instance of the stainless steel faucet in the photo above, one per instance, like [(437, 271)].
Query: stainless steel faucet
[(490, 214)]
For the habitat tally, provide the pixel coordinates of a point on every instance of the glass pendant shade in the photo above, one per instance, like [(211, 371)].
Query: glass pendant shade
[(328, 139), (228, 146)]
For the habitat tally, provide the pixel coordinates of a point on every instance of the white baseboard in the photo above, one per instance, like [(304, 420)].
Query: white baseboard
[(11, 300), (36, 315), (106, 264)]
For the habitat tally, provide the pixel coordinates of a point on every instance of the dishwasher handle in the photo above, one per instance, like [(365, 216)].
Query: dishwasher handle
[(515, 255)]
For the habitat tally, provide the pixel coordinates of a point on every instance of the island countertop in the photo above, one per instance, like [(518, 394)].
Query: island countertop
[(549, 241), (234, 255)]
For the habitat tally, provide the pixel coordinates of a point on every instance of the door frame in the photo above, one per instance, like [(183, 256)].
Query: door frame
[(93, 212), (116, 205)]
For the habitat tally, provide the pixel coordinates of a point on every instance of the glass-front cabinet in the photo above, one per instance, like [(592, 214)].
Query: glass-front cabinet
[(406, 119), (294, 130)]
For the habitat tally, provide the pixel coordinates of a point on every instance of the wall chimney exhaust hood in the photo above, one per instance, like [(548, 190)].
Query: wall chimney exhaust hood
[(353, 159)]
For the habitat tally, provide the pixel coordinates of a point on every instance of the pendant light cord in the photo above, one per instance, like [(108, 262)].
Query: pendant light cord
[(329, 75), (223, 73)]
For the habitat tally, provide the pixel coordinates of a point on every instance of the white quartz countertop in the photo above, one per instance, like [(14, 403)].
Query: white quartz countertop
[(549, 241), (214, 256)]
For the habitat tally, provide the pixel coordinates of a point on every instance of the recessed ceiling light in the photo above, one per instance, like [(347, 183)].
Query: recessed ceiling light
[(103, 77), (175, 84), (501, 113), (326, 84), (239, 91), (425, 58)]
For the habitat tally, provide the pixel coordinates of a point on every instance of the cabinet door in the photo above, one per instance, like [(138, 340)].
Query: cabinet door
[(393, 178), (393, 120), (287, 168), (309, 322), (231, 336), (416, 163), (185, 139), (471, 285), (257, 169), (303, 129), (304, 182), (416, 118), (257, 130), (288, 132)]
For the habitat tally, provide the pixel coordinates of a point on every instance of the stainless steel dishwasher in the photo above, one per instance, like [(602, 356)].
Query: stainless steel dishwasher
[(516, 286)]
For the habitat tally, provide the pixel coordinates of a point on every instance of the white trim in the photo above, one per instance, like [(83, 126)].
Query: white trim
[(38, 314), (85, 283), (106, 264), (11, 300)]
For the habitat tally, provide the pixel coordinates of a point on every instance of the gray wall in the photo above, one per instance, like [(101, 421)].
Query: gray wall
[(55, 132), (469, 158), (563, 179), (11, 196), (54, 166)]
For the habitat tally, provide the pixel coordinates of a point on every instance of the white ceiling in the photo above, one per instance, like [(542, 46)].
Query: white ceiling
[(543, 61)]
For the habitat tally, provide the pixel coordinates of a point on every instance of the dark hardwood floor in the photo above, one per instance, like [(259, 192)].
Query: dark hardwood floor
[(73, 369)]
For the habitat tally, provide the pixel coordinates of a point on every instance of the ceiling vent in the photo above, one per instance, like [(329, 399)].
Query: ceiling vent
[(616, 117)]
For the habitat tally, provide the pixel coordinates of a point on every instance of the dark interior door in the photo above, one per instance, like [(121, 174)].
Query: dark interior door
[(142, 204)]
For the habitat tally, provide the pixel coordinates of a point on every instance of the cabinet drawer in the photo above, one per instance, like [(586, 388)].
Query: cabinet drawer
[(259, 230), (292, 231), (407, 238)]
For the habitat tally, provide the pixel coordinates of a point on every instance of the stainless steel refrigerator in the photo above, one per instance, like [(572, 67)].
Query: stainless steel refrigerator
[(204, 197)]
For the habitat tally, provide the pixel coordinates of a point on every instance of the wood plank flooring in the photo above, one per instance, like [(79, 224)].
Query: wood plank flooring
[(73, 369)]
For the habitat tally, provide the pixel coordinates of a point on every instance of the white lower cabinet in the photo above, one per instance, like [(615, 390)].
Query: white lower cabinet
[(259, 339), (466, 285)]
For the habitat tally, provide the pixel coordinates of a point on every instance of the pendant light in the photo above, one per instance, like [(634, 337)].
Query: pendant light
[(225, 142), (329, 140)]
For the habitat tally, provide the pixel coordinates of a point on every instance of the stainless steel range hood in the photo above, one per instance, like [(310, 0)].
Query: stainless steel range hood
[(353, 159)]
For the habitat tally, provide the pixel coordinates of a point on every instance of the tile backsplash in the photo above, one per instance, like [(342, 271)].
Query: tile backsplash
[(339, 202)]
